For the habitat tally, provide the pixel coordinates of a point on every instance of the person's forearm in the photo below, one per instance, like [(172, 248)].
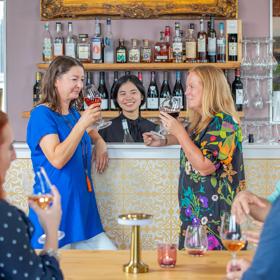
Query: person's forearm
[(171, 140), (260, 213), (94, 135), (195, 156), (51, 239)]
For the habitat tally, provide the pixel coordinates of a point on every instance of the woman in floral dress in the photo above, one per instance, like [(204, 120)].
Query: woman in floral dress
[(211, 160)]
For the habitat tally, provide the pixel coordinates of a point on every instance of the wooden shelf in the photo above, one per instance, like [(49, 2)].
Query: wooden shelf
[(144, 114), (148, 66)]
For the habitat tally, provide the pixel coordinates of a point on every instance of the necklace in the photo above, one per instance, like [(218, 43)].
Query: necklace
[(84, 149)]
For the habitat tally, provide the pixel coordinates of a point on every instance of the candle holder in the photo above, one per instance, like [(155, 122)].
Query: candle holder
[(135, 265), (167, 255)]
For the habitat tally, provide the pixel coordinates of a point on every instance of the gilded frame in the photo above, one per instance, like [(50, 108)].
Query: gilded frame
[(141, 9)]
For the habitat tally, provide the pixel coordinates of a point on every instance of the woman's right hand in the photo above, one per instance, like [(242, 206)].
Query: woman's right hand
[(150, 139), (49, 218), (90, 116)]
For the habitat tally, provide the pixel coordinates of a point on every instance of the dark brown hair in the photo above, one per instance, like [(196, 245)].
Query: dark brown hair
[(3, 122), (59, 66)]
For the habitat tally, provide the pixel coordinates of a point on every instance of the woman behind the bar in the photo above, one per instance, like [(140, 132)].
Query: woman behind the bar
[(18, 260), (60, 140), (129, 96), (211, 160)]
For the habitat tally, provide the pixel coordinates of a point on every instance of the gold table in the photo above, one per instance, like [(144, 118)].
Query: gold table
[(108, 265)]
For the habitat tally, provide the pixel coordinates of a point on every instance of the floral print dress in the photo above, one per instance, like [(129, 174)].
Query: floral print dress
[(202, 199)]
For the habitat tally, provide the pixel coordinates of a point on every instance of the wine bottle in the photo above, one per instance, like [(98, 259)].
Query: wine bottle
[(113, 106), (201, 43), (140, 77), (103, 91), (127, 138), (89, 78), (165, 88), (178, 90), (47, 52), (237, 91), (153, 94), (221, 44), (232, 40), (37, 89), (212, 42)]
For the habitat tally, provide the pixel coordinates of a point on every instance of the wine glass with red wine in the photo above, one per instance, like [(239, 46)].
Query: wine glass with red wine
[(43, 197), (172, 106), (196, 241), (231, 235), (93, 96)]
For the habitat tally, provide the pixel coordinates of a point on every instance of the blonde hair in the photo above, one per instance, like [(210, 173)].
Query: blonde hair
[(216, 97)]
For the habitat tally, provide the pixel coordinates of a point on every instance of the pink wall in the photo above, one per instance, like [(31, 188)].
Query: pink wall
[(24, 34)]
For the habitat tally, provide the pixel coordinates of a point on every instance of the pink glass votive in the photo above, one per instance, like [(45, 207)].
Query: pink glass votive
[(167, 254)]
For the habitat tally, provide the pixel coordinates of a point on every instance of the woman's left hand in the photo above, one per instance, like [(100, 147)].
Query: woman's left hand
[(172, 125), (100, 155)]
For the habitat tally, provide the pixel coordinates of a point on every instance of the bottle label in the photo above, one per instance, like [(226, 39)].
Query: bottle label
[(152, 103), (177, 47), (221, 45), (201, 45), (232, 49), (134, 55), (70, 50), (143, 107), (146, 55), (58, 49), (191, 50), (96, 49), (239, 96), (104, 104), (108, 42), (47, 48), (211, 46), (113, 106), (121, 56), (83, 52)]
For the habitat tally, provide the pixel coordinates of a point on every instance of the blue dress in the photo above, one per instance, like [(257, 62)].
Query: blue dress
[(80, 217)]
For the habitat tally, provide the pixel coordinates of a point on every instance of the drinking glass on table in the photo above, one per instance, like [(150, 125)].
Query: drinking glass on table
[(93, 96), (196, 241), (43, 197), (170, 105), (231, 235)]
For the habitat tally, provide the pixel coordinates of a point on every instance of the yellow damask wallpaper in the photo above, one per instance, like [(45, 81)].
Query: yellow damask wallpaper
[(148, 186)]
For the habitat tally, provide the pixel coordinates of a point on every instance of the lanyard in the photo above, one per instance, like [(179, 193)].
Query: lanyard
[(84, 150)]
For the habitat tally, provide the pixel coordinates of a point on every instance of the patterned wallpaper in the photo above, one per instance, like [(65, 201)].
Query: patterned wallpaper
[(148, 186)]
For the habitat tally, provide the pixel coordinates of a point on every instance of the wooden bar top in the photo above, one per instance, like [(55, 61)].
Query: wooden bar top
[(107, 265)]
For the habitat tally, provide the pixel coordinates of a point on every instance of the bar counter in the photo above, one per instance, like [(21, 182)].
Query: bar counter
[(107, 265), (144, 179)]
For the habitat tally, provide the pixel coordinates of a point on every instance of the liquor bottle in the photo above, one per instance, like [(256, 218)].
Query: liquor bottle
[(232, 40), (121, 52), (127, 138), (37, 89), (97, 44), (140, 77), (161, 51), (221, 44), (201, 43), (112, 104), (47, 53), (58, 43), (134, 52), (71, 42), (152, 94), (177, 45), (146, 52), (178, 90), (167, 39), (83, 48), (165, 89), (191, 45), (237, 91), (212, 42), (89, 78), (108, 43), (183, 45), (103, 91)]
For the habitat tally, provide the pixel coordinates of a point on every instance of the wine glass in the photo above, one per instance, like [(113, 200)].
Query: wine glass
[(196, 241), (172, 106), (231, 235), (93, 96), (43, 197)]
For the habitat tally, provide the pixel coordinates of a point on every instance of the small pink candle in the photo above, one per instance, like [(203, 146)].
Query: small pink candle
[(167, 255)]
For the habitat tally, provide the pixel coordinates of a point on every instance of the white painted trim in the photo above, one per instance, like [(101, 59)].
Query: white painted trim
[(140, 151)]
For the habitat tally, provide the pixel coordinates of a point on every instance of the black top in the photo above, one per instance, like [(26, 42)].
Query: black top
[(18, 260), (114, 132)]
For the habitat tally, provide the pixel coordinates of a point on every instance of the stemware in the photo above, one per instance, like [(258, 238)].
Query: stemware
[(231, 235), (93, 96), (196, 241), (258, 100), (43, 197), (170, 105)]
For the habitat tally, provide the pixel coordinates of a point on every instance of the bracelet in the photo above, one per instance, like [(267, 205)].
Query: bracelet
[(50, 252)]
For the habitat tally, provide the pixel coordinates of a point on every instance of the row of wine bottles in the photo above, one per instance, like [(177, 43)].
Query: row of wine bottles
[(154, 94)]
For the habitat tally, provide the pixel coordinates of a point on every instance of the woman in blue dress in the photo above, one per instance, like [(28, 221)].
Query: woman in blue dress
[(60, 140)]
